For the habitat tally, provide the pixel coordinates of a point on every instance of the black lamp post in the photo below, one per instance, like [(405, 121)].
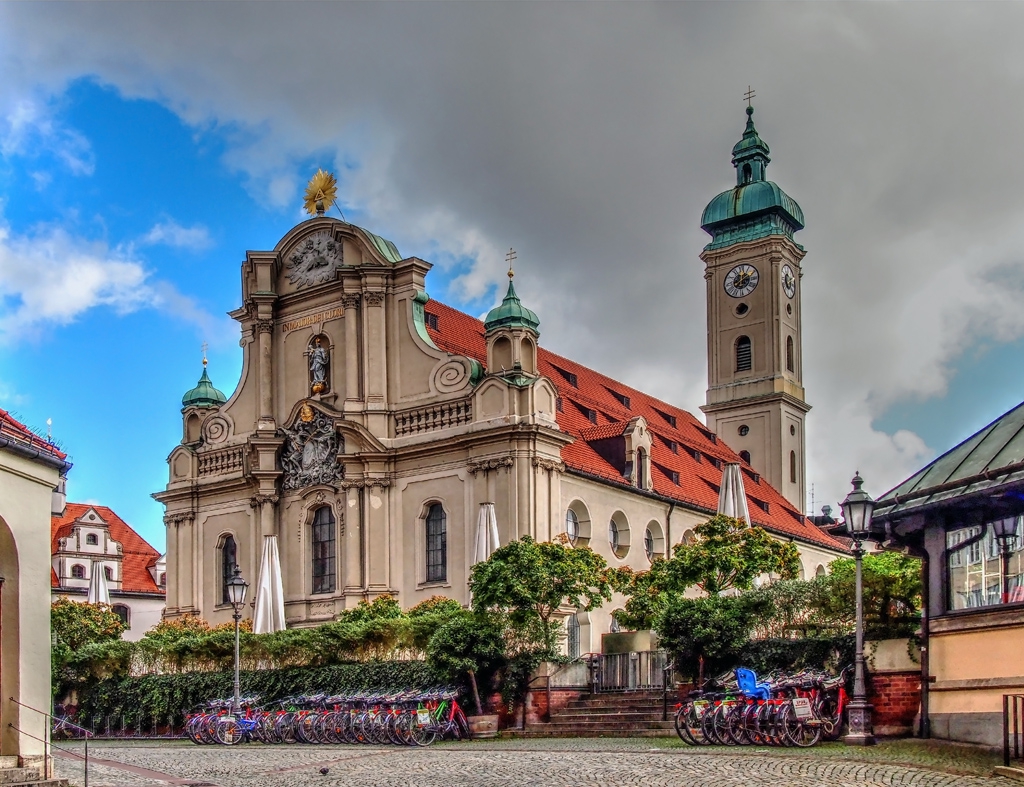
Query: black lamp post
[(1005, 531), (236, 595), (857, 510)]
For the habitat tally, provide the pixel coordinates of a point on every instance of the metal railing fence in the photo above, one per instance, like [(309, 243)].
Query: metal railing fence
[(1013, 728)]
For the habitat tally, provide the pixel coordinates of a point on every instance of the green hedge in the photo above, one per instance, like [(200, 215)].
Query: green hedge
[(792, 655), (143, 699)]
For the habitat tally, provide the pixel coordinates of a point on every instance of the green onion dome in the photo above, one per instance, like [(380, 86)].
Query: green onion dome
[(204, 394), (511, 313)]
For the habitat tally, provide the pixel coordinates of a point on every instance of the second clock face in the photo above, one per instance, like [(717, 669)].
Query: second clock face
[(741, 280), (788, 281)]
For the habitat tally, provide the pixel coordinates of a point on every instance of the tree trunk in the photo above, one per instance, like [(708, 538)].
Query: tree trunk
[(476, 693)]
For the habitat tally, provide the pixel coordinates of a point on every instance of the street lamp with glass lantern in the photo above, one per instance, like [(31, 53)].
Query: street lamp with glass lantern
[(1005, 531), (236, 596), (858, 508)]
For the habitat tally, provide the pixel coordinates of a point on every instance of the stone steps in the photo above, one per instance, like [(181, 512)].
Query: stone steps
[(25, 777), (619, 715)]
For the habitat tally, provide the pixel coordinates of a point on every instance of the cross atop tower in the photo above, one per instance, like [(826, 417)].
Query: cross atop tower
[(749, 95), (510, 258), (204, 353)]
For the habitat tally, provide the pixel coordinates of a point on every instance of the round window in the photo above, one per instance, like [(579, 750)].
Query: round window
[(744, 430), (649, 544), (792, 429), (742, 309), (572, 526)]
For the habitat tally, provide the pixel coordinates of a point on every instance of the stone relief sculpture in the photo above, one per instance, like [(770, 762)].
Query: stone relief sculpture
[(315, 260), (310, 454), (319, 362)]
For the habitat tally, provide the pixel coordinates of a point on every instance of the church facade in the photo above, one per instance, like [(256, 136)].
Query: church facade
[(371, 423)]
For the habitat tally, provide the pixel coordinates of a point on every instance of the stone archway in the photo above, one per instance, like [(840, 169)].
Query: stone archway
[(10, 639)]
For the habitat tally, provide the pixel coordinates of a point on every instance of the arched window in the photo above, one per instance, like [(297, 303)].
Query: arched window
[(790, 363), (78, 571), (649, 544), (744, 354), (614, 627), (92, 539), (437, 544), (323, 550), (123, 612), (108, 572), (572, 644), (792, 467), (613, 535), (641, 468), (745, 456), (228, 553), (748, 173), (572, 526)]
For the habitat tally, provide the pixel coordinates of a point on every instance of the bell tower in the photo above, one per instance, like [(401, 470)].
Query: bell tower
[(755, 396)]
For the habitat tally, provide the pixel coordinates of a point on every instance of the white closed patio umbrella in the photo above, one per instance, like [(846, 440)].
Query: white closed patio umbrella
[(269, 613), (99, 591), (486, 533), (732, 498)]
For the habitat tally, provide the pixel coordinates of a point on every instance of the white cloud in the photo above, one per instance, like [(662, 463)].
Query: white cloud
[(170, 233), (29, 129), (590, 136), (52, 278)]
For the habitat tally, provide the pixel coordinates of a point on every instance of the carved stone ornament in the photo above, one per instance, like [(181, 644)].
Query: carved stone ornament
[(258, 500), (350, 300), (365, 483), (374, 298), (179, 518), (484, 465), (315, 260), (310, 453), (549, 464), (264, 326)]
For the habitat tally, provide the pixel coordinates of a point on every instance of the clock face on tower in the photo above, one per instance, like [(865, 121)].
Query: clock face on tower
[(741, 280), (788, 281)]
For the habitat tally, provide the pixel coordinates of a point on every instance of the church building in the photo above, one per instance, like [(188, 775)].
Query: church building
[(371, 423)]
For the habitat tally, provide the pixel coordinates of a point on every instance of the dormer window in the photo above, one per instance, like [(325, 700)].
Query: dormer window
[(92, 539), (432, 321), (78, 571)]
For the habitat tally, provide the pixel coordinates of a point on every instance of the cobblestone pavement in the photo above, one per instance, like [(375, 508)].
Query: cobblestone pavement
[(580, 761)]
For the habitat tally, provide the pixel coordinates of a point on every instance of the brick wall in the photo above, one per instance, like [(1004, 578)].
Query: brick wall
[(896, 697)]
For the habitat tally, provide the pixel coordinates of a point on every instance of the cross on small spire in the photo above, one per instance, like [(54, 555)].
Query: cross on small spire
[(510, 258), (750, 94), (204, 353)]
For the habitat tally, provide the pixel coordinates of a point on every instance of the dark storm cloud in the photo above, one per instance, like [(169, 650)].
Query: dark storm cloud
[(591, 136)]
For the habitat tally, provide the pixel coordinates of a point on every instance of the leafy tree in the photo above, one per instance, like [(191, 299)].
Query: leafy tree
[(725, 554), (467, 644), (892, 595), (711, 628), (728, 554), (76, 624), (77, 629), (532, 580)]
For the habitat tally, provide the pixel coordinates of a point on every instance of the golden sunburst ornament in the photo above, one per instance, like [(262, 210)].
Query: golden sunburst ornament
[(320, 193)]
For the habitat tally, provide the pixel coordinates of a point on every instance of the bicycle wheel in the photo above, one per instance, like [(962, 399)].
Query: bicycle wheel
[(680, 722), (827, 710), (799, 732), (228, 732), (462, 725), (422, 731)]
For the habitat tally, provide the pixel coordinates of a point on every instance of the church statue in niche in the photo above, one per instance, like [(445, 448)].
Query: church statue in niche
[(319, 366), (310, 454)]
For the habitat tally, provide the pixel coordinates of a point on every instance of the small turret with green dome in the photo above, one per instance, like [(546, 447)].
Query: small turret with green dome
[(511, 313), (204, 394), (756, 207)]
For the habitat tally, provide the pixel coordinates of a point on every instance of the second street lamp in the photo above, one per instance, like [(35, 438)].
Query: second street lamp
[(236, 595), (858, 508)]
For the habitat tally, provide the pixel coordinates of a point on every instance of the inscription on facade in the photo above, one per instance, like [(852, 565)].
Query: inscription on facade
[(313, 319)]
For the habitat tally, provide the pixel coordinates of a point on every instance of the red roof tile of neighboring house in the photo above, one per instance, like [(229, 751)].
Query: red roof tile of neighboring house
[(699, 455), (137, 555), (11, 427)]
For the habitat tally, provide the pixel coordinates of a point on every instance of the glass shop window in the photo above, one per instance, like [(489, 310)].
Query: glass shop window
[(974, 568)]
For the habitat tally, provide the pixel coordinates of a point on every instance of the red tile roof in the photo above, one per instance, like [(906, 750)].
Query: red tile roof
[(137, 555), (698, 460), (11, 427)]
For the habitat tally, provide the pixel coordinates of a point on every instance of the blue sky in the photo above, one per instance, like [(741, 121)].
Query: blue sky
[(145, 147)]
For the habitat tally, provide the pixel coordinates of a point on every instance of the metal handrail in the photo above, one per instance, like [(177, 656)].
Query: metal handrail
[(51, 745), (48, 744)]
